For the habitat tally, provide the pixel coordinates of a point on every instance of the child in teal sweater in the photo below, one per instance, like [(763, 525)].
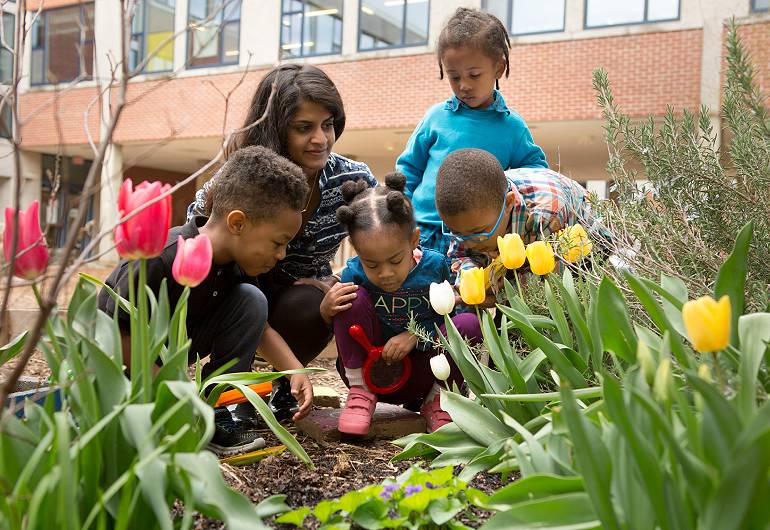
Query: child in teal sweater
[(473, 50)]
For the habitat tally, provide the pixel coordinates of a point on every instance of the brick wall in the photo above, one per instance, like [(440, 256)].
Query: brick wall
[(179, 200), (549, 81), (756, 38), (32, 5)]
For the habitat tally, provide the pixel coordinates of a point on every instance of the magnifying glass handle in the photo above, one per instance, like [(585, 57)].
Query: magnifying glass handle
[(359, 335)]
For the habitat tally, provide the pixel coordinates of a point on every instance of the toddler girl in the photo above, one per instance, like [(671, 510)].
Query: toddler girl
[(473, 50), (382, 288)]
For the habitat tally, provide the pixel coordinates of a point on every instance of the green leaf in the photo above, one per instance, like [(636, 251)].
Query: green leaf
[(576, 314), (754, 332), (557, 314), (295, 517), (325, 509), (475, 420), (443, 510), (533, 487), (616, 332), (12, 349), (567, 511), (731, 279), (370, 514), (720, 424), (593, 459)]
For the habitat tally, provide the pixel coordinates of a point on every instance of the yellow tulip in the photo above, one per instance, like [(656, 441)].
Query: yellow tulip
[(472, 288), (512, 252), (540, 257), (574, 243), (708, 323)]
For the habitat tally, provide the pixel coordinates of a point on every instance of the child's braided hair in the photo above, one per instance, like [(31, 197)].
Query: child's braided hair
[(368, 208), (471, 27)]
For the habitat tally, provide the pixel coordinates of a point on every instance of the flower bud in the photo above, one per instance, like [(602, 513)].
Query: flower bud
[(439, 365), (442, 297)]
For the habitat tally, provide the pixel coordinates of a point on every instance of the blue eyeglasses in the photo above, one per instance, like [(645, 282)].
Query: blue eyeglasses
[(482, 236)]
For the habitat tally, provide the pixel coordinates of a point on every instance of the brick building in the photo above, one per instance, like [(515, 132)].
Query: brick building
[(380, 55)]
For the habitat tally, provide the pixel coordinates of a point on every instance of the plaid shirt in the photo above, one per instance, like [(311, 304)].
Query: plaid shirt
[(545, 203)]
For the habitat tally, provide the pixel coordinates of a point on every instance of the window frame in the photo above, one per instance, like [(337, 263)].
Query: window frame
[(509, 22), (220, 37), (755, 9), (12, 43), (6, 122), (83, 43), (642, 22), (403, 32), (302, 55), (142, 36)]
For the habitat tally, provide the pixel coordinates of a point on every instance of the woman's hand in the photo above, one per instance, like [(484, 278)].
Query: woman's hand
[(302, 390), (398, 347), (337, 299)]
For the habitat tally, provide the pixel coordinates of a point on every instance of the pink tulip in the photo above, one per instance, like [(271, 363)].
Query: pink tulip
[(32, 253), (193, 260), (143, 235)]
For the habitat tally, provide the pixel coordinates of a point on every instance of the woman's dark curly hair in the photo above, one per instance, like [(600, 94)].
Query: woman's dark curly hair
[(294, 84), (471, 27), (367, 208)]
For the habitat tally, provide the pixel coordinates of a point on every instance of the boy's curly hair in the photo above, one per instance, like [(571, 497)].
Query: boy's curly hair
[(469, 179), (368, 208), (257, 181), (471, 27)]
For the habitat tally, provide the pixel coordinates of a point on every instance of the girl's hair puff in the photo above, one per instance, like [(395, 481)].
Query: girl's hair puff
[(290, 85), (367, 208), (471, 27)]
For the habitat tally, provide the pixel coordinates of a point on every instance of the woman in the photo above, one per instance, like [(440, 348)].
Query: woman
[(304, 119)]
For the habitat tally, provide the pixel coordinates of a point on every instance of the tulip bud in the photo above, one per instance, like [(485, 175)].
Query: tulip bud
[(664, 380), (574, 243), (512, 251), (143, 235), (708, 323), (31, 251), (193, 260), (646, 362), (442, 297), (540, 257), (439, 365), (472, 286)]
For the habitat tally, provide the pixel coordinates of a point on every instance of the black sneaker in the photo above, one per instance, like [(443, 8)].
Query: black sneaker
[(231, 436), (282, 403), (246, 413)]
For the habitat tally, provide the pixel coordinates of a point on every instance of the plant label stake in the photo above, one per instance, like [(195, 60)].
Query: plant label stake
[(380, 377)]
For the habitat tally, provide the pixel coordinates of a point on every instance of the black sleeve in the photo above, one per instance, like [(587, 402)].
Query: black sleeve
[(118, 282)]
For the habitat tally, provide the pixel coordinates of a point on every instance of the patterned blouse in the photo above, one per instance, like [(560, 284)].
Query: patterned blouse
[(309, 254)]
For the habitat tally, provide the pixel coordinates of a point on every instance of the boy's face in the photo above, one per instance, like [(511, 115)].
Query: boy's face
[(481, 221), (259, 246), (472, 75), (386, 255), (310, 137)]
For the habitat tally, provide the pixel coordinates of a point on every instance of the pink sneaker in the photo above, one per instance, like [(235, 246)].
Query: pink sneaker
[(357, 414), (434, 415)]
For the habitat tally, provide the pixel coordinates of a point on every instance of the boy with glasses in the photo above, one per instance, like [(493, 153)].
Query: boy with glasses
[(477, 202)]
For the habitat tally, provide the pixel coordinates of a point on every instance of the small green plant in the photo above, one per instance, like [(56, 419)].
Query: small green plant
[(416, 499)]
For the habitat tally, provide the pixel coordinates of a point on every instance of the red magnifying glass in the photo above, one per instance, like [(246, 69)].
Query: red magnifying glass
[(380, 377)]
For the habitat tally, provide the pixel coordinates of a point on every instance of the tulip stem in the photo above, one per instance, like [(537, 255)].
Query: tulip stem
[(718, 371), (48, 326), (518, 284), (146, 374)]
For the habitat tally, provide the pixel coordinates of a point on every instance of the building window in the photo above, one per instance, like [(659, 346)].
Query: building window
[(760, 5), (310, 27), (63, 44), (153, 24), (213, 32), (392, 23), (602, 13), (6, 56), (525, 17), (6, 124)]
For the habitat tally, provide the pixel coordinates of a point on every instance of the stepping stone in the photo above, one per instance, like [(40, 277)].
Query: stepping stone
[(389, 422), (326, 396)]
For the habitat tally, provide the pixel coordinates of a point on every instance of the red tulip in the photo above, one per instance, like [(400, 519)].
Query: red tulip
[(143, 235), (193, 260), (32, 253)]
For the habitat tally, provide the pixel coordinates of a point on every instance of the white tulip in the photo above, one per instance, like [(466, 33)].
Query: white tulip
[(442, 297), (439, 365)]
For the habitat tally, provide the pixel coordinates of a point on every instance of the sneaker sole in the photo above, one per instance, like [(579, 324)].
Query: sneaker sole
[(222, 451)]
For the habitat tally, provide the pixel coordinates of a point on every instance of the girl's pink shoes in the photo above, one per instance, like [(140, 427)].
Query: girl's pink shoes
[(357, 414), (434, 415)]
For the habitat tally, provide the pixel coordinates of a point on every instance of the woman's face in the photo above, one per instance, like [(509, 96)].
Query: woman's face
[(310, 137)]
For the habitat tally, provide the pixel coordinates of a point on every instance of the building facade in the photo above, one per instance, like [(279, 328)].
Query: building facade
[(201, 61)]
